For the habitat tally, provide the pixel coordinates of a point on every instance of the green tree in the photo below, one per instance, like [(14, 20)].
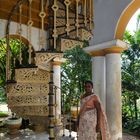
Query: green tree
[(75, 71), (15, 49), (131, 76)]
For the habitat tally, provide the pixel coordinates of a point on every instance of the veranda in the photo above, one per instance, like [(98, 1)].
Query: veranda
[(49, 28)]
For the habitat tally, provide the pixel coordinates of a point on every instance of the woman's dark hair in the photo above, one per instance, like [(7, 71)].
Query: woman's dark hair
[(88, 82)]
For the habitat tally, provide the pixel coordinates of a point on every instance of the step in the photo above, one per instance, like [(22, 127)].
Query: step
[(67, 44), (32, 75), (62, 7), (28, 100), (60, 4), (84, 34), (45, 57), (61, 22), (30, 111), (31, 97), (28, 89), (72, 33)]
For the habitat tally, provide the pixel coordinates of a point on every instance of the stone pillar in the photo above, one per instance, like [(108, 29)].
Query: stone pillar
[(113, 88), (57, 87), (113, 91), (111, 50), (98, 78)]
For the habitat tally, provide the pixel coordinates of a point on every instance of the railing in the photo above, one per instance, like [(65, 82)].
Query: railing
[(75, 14), (71, 15), (59, 18), (69, 114)]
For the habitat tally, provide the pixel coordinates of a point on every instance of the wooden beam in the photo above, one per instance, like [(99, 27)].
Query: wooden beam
[(37, 22), (7, 5)]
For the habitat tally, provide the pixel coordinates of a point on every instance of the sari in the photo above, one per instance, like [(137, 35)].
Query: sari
[(88, 121)]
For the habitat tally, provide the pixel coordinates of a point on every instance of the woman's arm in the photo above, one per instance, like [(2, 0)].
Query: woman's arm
[(98, 108)]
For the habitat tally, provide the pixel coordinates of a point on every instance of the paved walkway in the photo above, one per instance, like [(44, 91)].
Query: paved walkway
[(30, 135), (27, 134), (129, 137)]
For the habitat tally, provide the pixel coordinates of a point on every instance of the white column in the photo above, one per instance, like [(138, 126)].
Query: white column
[(111, 50), (57, 84), (98, 78), (113, 91)]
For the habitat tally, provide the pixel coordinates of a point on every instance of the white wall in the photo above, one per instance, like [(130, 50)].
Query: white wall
[(13, 30), (106, 16)]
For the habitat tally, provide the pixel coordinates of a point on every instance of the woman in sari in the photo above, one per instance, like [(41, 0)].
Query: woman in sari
[(92, 119)]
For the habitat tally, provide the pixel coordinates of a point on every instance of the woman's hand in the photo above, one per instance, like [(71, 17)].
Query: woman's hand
[(78, 120), (97, 128), (98, 136)]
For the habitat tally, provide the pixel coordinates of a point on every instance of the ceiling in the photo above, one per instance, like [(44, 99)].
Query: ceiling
[(7, 5)]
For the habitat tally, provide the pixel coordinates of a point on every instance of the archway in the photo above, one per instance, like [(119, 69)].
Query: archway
[(125, 17), (123, 21), (107, 61)]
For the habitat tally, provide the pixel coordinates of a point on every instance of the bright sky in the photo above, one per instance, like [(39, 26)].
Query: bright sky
[(132, 23)]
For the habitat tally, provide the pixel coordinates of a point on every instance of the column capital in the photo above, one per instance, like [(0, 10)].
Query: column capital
[(58, 61), (114, 46)]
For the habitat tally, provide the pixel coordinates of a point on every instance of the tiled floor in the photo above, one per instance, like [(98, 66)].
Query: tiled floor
[(25, 136), (130, 137), (28, 134)]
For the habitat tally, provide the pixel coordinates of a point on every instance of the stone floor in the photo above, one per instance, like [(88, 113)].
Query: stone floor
[(129, 137), (28, 134)]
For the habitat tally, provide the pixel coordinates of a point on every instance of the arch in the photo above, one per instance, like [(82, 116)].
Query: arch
[(23, 39), (125, 17)]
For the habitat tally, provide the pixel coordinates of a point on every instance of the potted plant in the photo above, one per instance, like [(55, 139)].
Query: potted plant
[(13, 124), (74, 112), (75, 108)]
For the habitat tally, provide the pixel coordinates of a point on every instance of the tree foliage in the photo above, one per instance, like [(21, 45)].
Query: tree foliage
[(15, 49), (131, 79), (75, 71)]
